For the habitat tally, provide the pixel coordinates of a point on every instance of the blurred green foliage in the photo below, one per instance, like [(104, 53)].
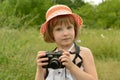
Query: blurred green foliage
[(105, 15), (74, 4), (29, 13), (26, 12)]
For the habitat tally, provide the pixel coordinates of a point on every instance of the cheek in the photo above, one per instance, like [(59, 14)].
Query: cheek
[(57, 38), (73, 32), (55, 35)]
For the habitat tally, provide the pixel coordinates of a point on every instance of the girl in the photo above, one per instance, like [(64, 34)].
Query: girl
[(62, 27)]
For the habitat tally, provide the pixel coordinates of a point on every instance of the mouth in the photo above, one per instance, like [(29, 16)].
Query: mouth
[(66, 39)]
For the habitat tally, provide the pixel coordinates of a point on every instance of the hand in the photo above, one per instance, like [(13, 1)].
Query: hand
[(40, 60), (66, 60)]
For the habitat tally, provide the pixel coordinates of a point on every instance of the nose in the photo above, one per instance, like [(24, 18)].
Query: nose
[(65, 32)]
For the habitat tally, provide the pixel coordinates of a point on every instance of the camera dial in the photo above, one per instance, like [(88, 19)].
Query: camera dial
[(55, 63)]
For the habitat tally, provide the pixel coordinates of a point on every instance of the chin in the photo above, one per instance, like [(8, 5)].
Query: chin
[(67, 43)]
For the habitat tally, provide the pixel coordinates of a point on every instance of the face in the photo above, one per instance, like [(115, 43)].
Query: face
[(64, 34)]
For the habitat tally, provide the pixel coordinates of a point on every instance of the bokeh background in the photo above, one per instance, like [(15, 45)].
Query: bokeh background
[(20, 38)]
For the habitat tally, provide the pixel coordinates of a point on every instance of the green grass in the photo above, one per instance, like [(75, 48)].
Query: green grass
[(103, 43), (108, 70), (18, 50)]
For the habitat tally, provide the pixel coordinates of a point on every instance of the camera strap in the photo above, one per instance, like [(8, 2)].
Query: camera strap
[(77, 55), (71, 47)]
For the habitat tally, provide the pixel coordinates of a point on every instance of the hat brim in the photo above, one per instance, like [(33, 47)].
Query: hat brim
[(77, 18)]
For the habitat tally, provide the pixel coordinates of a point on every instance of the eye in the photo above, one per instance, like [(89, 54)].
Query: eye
[(58, 29), (69, 27)]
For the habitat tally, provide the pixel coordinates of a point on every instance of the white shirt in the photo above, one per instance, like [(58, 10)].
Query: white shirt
[(60, 74)]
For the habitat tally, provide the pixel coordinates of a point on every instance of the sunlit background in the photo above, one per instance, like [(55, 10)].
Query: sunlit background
[(94, 1)]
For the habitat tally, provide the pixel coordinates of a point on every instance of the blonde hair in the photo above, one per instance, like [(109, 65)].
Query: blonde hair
[(67, 19)]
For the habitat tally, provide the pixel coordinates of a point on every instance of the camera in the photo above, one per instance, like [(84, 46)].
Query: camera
[(53, 60)]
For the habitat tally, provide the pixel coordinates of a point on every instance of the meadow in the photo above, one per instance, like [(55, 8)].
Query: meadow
[(18, 50)]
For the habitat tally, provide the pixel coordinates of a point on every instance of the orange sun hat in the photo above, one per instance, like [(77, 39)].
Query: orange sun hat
[(58, 10)]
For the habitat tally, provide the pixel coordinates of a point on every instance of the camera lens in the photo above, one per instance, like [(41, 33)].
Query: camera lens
[(55, 63)]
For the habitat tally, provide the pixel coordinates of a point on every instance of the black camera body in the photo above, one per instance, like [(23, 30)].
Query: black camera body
[(53, 60)]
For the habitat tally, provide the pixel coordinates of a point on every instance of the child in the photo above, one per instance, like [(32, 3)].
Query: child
[(62, 27)]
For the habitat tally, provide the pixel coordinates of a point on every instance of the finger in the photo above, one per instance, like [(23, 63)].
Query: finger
[(42, 60), (64, 63), (40, 54), (64, 60), (42, 64), (66, 53), (63, 56)]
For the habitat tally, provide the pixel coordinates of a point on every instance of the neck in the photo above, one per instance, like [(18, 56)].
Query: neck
[(66, 48)]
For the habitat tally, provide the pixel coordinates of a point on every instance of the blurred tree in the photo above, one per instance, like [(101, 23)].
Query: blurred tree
[(78, 3), (31, 11), (87, 12), (109, 12), (71, 3), (1, 0), (105, 15)]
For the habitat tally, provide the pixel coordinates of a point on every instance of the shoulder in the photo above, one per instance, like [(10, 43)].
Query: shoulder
[(86, 53), (85, 50), (88, 59)]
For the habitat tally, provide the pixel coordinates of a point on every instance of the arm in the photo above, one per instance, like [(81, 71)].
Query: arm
[(39, 74), (89, 72), (40, 71)]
